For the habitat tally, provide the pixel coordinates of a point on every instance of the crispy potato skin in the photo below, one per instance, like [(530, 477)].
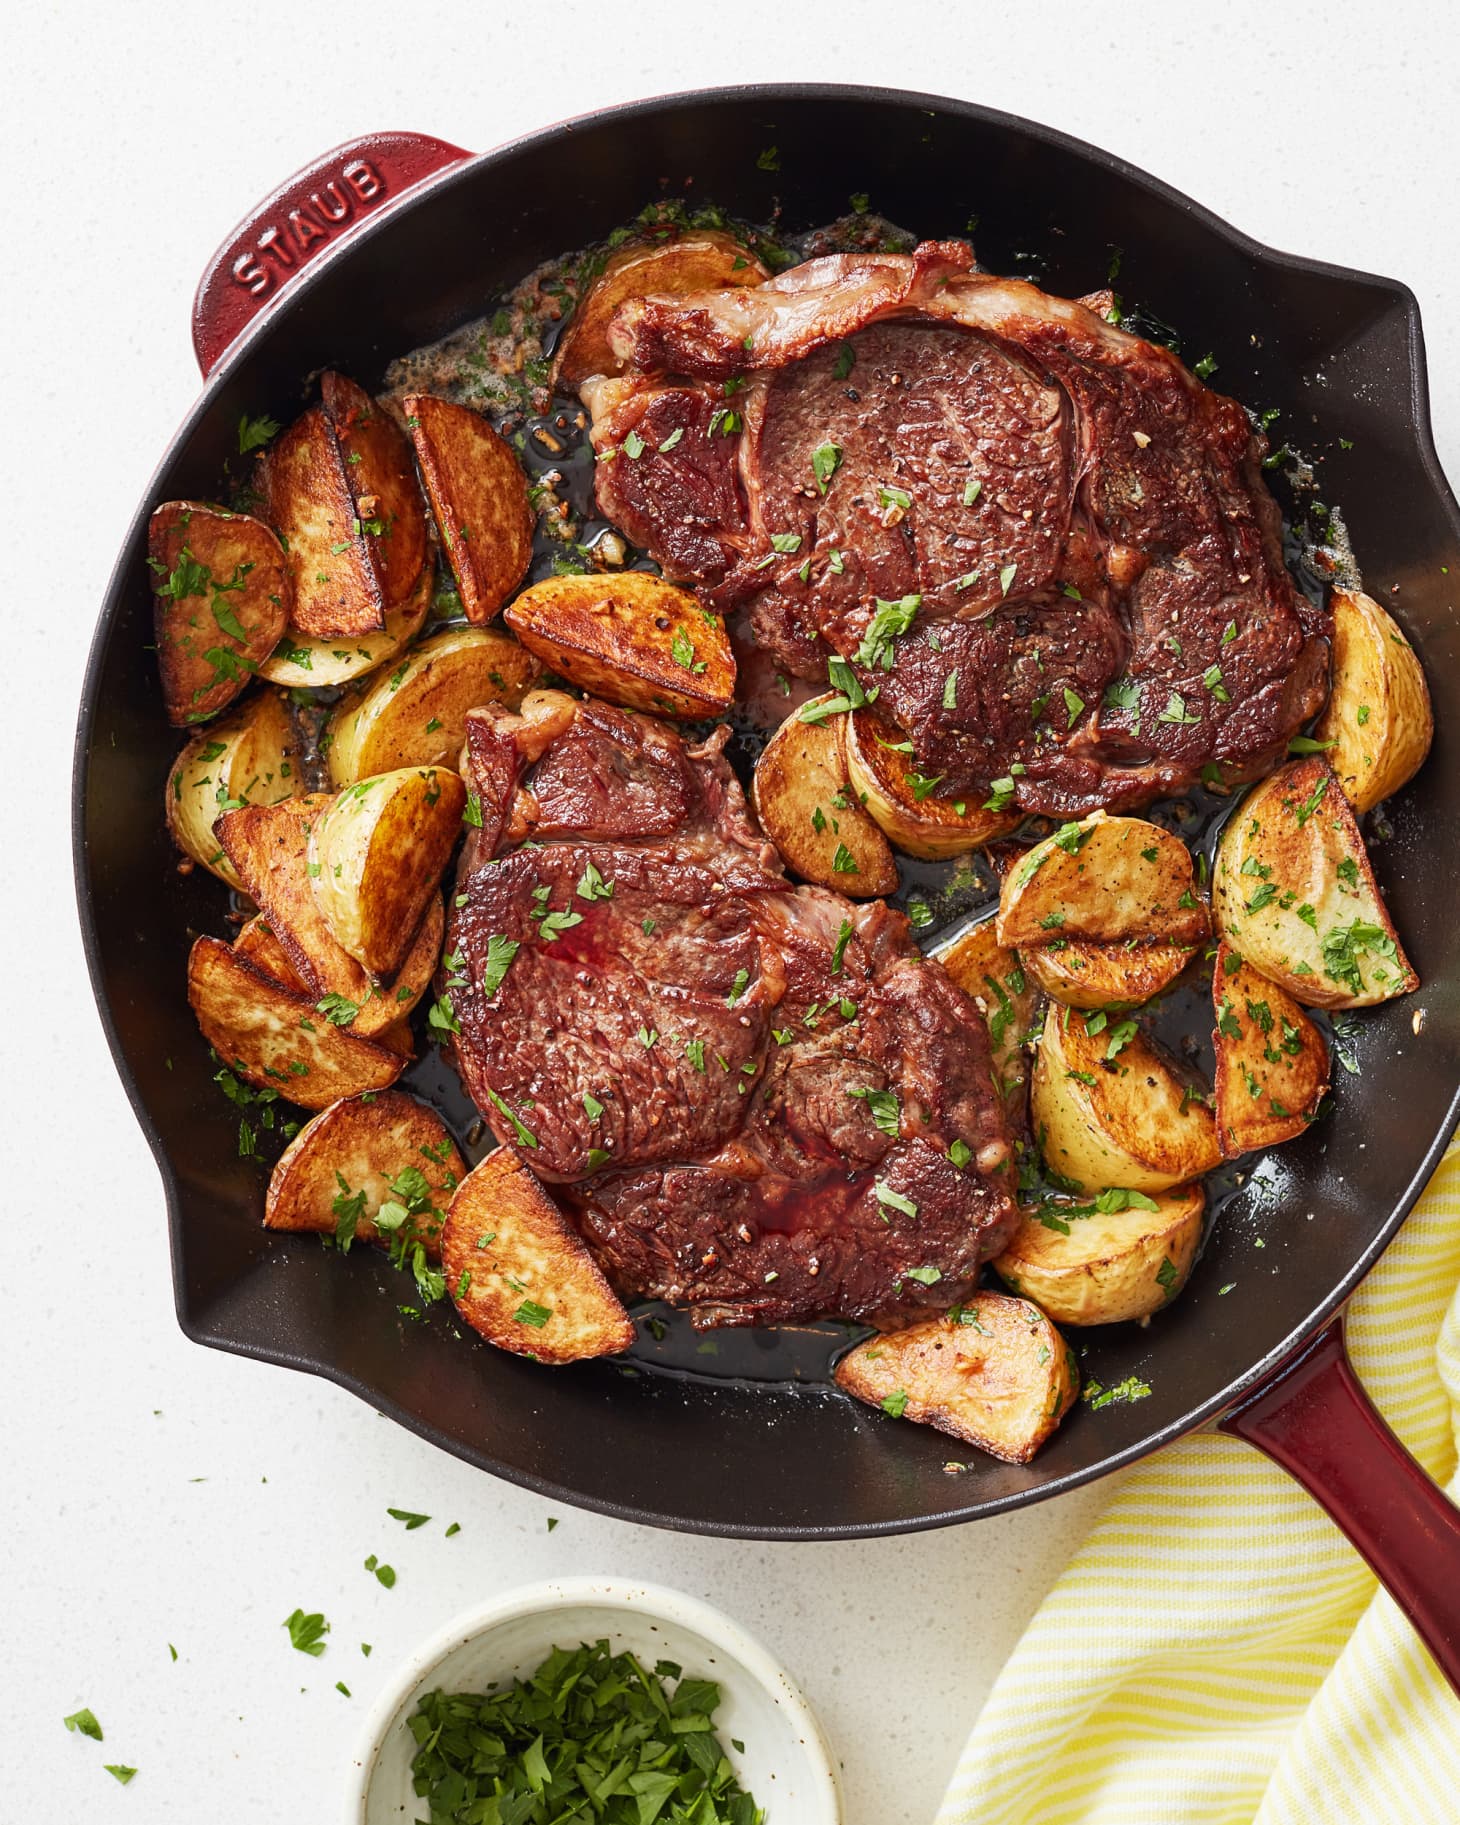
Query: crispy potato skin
[(381, 478), (1106, 878), (995, 980), (1272, 1062), (508, 1254), (376, 853), (251, 756), (236, 604), (1296, 897), (337, 594), (1121, 1121), (367, 1144), (416, 717), (479, 496), (801, 796), (1083, 973), (306, 661), (1111, 1266), (630, 638), (701, 261), (1378, 714), (1003, 1382), (275, 1040), (257, 945), (929, 827)]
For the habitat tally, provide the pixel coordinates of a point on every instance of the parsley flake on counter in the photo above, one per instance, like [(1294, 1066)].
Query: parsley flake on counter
[(306, 1632), (84, 1723), (119, 1771), (412, 1521), (384, 1573)]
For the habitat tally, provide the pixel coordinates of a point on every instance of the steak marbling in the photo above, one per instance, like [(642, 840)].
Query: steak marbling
[(1092, 556), (747, 1091)]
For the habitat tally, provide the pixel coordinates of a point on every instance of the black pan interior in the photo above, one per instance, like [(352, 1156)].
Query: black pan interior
[(735, 1445)]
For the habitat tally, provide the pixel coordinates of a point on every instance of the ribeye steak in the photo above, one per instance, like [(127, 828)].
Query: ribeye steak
[(1073, 531), (760, 1100)]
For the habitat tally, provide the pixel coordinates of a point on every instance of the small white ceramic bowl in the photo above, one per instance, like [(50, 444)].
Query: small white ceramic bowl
[(786, 1763)]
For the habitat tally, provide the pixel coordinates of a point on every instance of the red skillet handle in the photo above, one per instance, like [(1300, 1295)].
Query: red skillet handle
[(1315, 1419), (315, 209)]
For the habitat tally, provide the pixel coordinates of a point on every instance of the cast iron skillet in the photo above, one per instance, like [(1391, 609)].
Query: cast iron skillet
[(430, 237)]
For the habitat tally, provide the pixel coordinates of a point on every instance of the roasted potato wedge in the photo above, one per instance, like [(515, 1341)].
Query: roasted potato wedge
[(1378, 715), (269, 847), (303, 662), (880, 767), (276, 1040), (1297, 899), (376, 853), (416, 717), (479, 496), (390, 511), (1108, 1110), (996, 982), (631, 638), (1084, 1264), (250, 758), (1084, 973), (257, 945), (809, 811), (307, 498), (367, 1149), (1108, 878), (995, 1372), (701, 261), (519, 1273), (1272, 1062), (221, 602)]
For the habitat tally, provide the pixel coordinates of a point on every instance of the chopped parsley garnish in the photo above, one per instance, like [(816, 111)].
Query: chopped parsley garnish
[(1006, 578), (83, 1722), (844, 862), (839, 951), (846, 360), (895, 1405), (1074, 703), (254, 433), (824, 461), (592, 886), (1176, 711), (889, 621), (1205, 368), (893, 1200), (524, 1134), (883, 1106), (412, 1521), (959, 1154), (591, 1735), (1305, 744), (500, 952), (738, 987), (971, 492), (533, 1314), (681, 650), (307, 1633)]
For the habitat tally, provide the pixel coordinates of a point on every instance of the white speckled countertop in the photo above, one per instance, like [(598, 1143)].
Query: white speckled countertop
[(156, 1493)]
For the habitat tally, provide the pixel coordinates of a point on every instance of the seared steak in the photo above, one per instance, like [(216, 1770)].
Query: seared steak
[(761, 1101), (1077, 563)]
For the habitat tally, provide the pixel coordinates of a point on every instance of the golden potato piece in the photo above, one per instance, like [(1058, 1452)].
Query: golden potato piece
[(479, 496), (390, 513), (361, 1156), (1272, 1063), (879, 764), (995, 1372), (1106, 877), (808, 810), (277, 1041), (376, 854), (252, 757), (303, 662), (1083, 973), (996, 981), (416, 717), (1378, 715), (257, 945), (1108, 1111), (307, 498), (1296, 897), (701, 261), (220, 602), (519, 1273), (630, 638), (1123, 1256)]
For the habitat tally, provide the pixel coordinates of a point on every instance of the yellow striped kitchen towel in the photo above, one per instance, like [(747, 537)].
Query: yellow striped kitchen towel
[(1216, 1651)]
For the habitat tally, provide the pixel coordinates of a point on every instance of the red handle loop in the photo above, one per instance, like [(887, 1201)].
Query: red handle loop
[(1315, 1419), (316, 209)]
